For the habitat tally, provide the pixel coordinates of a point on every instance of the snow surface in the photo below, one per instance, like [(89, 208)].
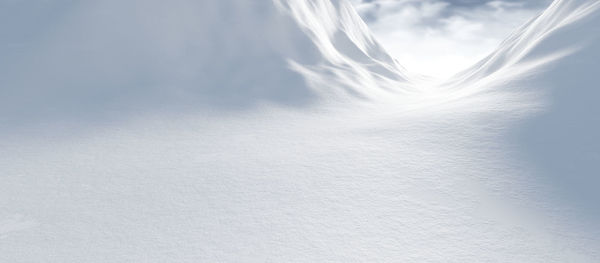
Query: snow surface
[(103, 57), (281, 131)]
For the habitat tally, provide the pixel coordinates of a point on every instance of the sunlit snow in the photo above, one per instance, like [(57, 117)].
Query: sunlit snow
[(253, 131)]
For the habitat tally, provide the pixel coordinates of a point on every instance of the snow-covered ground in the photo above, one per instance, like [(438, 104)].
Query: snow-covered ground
[(281, 131)]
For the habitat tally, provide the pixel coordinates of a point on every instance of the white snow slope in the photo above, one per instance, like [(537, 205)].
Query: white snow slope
[(252, 131), (92, 57), (553, 58)]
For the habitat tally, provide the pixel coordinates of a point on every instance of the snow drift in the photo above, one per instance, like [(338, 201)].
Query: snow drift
[(556, 32), (87, 58), (434, 181), (551, 65)]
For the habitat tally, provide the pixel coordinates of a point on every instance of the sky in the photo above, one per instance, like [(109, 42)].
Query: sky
[(442, 37)]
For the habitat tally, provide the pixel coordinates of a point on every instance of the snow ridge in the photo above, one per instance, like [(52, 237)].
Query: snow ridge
[(124, 56)]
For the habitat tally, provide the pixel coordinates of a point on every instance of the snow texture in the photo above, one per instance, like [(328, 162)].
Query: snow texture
[(253, 131)]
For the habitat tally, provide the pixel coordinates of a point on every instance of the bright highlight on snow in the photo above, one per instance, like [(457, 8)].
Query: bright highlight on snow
[(281, 130)]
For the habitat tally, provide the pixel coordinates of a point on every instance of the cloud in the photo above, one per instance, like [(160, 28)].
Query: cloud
[(441, 37)]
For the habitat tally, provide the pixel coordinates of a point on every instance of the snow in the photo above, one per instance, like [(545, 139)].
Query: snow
[(289, 135), (128, 56), (562, 44)]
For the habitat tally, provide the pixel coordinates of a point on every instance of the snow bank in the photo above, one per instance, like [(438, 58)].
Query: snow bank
[(550, 36), (564, 139), (84, 58), (436, 183), (551, 63)]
